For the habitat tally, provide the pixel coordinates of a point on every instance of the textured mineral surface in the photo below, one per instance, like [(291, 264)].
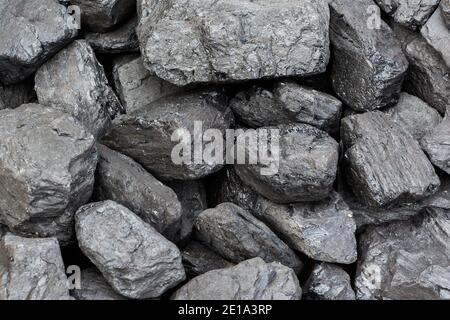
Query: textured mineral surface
[(437, 34), (94, 287), (445, 7), (436, 144)]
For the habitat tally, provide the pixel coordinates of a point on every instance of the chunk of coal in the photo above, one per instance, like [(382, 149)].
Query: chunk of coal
[(133, 257), (198, 259), (406, 260), (233, 40), (384, 164), (124, 181), (436, 144), (288, 102), (411, 14), (137, 88), (328, 282), (31, 31), (121, 40), (237, 236), (13, 96), (103, 15), (445, 7), (324, 231), (146, 135), (31, 269), (250, 280), (47, 165), (414, 116), (369, 65), (94, 287), (304, 169), (437, 34), (73, 81)]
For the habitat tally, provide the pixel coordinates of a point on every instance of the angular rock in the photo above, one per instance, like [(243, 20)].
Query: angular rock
[(73, 81), (445, 10), (145, 135), (137, 88), (121, 40), (133, 257), (328, 282), (305, 170), (31, 269), (198, 259), (324, 231), (288, 102), (369, 65), (414, 116), (406, 260), (237, 236), (384, 164), (411, 14), (224, 41), (124, 181), (15, 95), (47, 165), (437, 34), (103, 15), (436, 144), (31, 31), (94, 287), (250, 280)]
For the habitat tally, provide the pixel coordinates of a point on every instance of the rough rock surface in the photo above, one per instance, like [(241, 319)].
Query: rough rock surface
[(437, 34), (410, 13), (250, 280), (306, 168), (31, 31), (192, 41), (324, 231), (94, 287), (13, 96), (406, 260), (385, 164), (73, 81), (124, 181), (31, 269), (121, 40), (103, 15), (445, 7), (414, 116), (145, 135), (328, 282), (369, 65), (436, 144), (137, 88), (47, 164), (237, 236), (132, 256), (198, 259), (288, 102)]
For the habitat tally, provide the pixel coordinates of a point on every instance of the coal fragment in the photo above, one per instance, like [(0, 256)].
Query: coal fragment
[(94, 287), (445, 7), (437, 34)]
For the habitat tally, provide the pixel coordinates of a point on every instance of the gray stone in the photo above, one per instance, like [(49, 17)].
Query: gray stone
[(31, 269), (137, 88), (198, 259), (437, 34), (445, 10), (369, 65), (411, 14), (384, 164), (250, 280), (124, 181), (237, 236), (120, 40), (31, 31), (328, 282), (406, 260), (133, 257), (288, 102), (73, 81), (324, 231), (13, 96), (414, 116), (192, 41), (94, 287), (305, 170), (103, 15), (436, 144), (47, 165), (145, 135)]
